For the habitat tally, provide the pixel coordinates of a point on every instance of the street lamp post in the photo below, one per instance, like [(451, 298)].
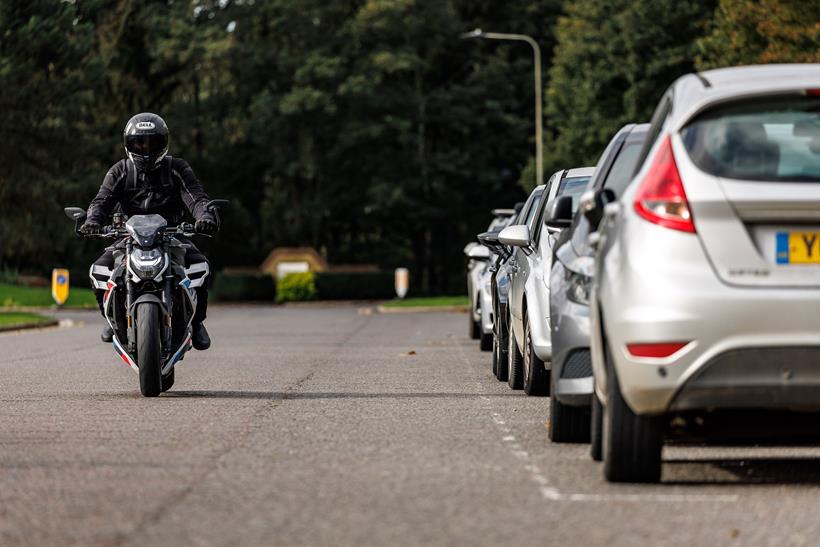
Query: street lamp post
[(539, 142)]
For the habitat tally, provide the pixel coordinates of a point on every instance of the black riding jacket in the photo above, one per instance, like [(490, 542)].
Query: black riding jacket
[(169, 190)]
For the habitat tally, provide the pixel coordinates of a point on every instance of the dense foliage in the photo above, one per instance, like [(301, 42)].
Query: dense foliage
[(364, 128)]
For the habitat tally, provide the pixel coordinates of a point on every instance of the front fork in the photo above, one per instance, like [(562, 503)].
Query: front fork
[(168, 300), (129, 300)]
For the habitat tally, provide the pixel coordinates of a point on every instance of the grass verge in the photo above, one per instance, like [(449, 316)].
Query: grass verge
[(15, 296), (429, 302), (10, 320)]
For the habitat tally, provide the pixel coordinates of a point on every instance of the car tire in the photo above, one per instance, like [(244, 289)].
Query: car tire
[(596, 432), (568, 424), (474, 327), (500, 355), (486, 343), (536, 377), (515, 362), (632, 443)]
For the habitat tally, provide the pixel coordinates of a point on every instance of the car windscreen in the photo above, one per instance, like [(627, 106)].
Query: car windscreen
[(773, 139), (622, 168), (536, 201), (573, 186)]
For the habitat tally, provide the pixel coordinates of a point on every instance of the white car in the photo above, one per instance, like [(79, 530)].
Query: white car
[(477, 266), (530, 346), (705, 303)]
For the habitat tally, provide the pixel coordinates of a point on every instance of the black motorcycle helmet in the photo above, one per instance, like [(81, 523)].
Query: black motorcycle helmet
[(146, 140)]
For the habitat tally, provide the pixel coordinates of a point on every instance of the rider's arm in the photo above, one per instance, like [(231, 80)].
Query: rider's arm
[(108, 196), (193, 194)]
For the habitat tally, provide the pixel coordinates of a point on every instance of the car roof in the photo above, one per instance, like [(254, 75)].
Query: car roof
[(637, 132), (693, 93), (580, 172)]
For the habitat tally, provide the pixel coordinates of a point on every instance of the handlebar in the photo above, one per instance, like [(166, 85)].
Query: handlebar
[(110, 232)]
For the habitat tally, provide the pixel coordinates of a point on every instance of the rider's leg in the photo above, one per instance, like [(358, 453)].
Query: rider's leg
[(200, 337), (100, 273)]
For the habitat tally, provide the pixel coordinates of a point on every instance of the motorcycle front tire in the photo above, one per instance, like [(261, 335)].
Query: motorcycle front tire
[(149, 348)]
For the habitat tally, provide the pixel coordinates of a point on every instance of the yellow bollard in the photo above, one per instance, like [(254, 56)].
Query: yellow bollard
[(402, 280), (59, 285)]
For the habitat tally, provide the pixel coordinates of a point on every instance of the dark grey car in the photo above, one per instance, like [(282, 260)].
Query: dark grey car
[(570, 280)]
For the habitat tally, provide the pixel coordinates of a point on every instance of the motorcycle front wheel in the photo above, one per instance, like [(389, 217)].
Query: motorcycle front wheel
[(149, 348)]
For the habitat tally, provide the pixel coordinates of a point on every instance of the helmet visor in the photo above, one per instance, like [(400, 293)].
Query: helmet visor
[(146, 145)]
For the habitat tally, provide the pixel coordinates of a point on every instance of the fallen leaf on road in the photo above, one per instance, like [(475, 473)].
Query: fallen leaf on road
[(407, 354)]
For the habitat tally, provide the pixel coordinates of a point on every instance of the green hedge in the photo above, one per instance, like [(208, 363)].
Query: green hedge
[(243, 288), (296, 287), (355, 286)]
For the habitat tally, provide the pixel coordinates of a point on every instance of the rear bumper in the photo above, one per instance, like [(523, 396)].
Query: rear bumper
[(770, 378), (745, 347)]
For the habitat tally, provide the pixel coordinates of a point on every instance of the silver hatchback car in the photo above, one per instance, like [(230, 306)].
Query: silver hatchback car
[(706, 296)]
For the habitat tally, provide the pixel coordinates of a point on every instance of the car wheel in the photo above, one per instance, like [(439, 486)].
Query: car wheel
[(568, 424), (536, 377), (632, 443), (515, 362), (486, 343), (596, 428), (500, 355), (474, 327)]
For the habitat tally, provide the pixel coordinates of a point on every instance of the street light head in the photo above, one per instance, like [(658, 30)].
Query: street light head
[(477, 33)]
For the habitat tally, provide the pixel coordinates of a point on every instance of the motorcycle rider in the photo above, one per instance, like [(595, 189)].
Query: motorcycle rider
[(149, 181)]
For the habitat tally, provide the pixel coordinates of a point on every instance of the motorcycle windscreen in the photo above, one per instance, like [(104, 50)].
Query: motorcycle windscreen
[(144, 228)]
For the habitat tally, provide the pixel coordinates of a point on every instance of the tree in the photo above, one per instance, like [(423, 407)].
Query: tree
[(613, 60), (762, 31)]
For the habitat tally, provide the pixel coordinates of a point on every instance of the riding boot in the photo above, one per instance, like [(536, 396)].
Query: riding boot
[(199, 337)]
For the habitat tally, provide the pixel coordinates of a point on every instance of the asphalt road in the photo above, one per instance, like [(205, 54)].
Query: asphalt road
[(326, 426)]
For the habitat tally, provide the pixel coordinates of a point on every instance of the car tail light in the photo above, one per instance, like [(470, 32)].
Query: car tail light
[(660, 350), (660, 198), (813, 92)]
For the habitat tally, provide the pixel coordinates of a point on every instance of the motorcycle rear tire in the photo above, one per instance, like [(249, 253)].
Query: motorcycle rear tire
[(168, 381), (149, 348)]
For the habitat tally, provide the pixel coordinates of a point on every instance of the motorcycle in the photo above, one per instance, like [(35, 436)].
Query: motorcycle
[(150, 297)]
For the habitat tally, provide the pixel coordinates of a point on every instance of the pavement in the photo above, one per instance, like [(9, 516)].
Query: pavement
[(330, 426)]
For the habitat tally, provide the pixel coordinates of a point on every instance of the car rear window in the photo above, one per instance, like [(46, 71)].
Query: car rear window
[(573, 186), (776, 139)]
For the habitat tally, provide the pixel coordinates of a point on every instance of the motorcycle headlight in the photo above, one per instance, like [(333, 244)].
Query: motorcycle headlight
[(147, 264), (578, 288)]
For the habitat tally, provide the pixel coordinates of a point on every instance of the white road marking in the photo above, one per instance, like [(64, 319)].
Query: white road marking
[(552, 493)]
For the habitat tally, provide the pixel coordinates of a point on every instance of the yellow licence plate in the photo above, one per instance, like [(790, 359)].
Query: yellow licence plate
[(798, 247)]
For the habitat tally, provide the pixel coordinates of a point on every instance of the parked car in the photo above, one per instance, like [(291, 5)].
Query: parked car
[(500, 282), (478, 257), (570, 278), (529, 345), (485, 296), (707, 284)]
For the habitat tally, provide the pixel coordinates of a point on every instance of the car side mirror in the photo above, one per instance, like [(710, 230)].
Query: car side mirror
[(478, 252), (559, 212), (489, 239), (75, 213), (517, 236), (593, 203)]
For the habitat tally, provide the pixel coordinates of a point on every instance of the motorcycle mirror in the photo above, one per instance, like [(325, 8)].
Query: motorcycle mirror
[(75, 213)]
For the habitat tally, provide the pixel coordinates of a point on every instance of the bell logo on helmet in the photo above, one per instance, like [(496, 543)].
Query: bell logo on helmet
[(145, 125)]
